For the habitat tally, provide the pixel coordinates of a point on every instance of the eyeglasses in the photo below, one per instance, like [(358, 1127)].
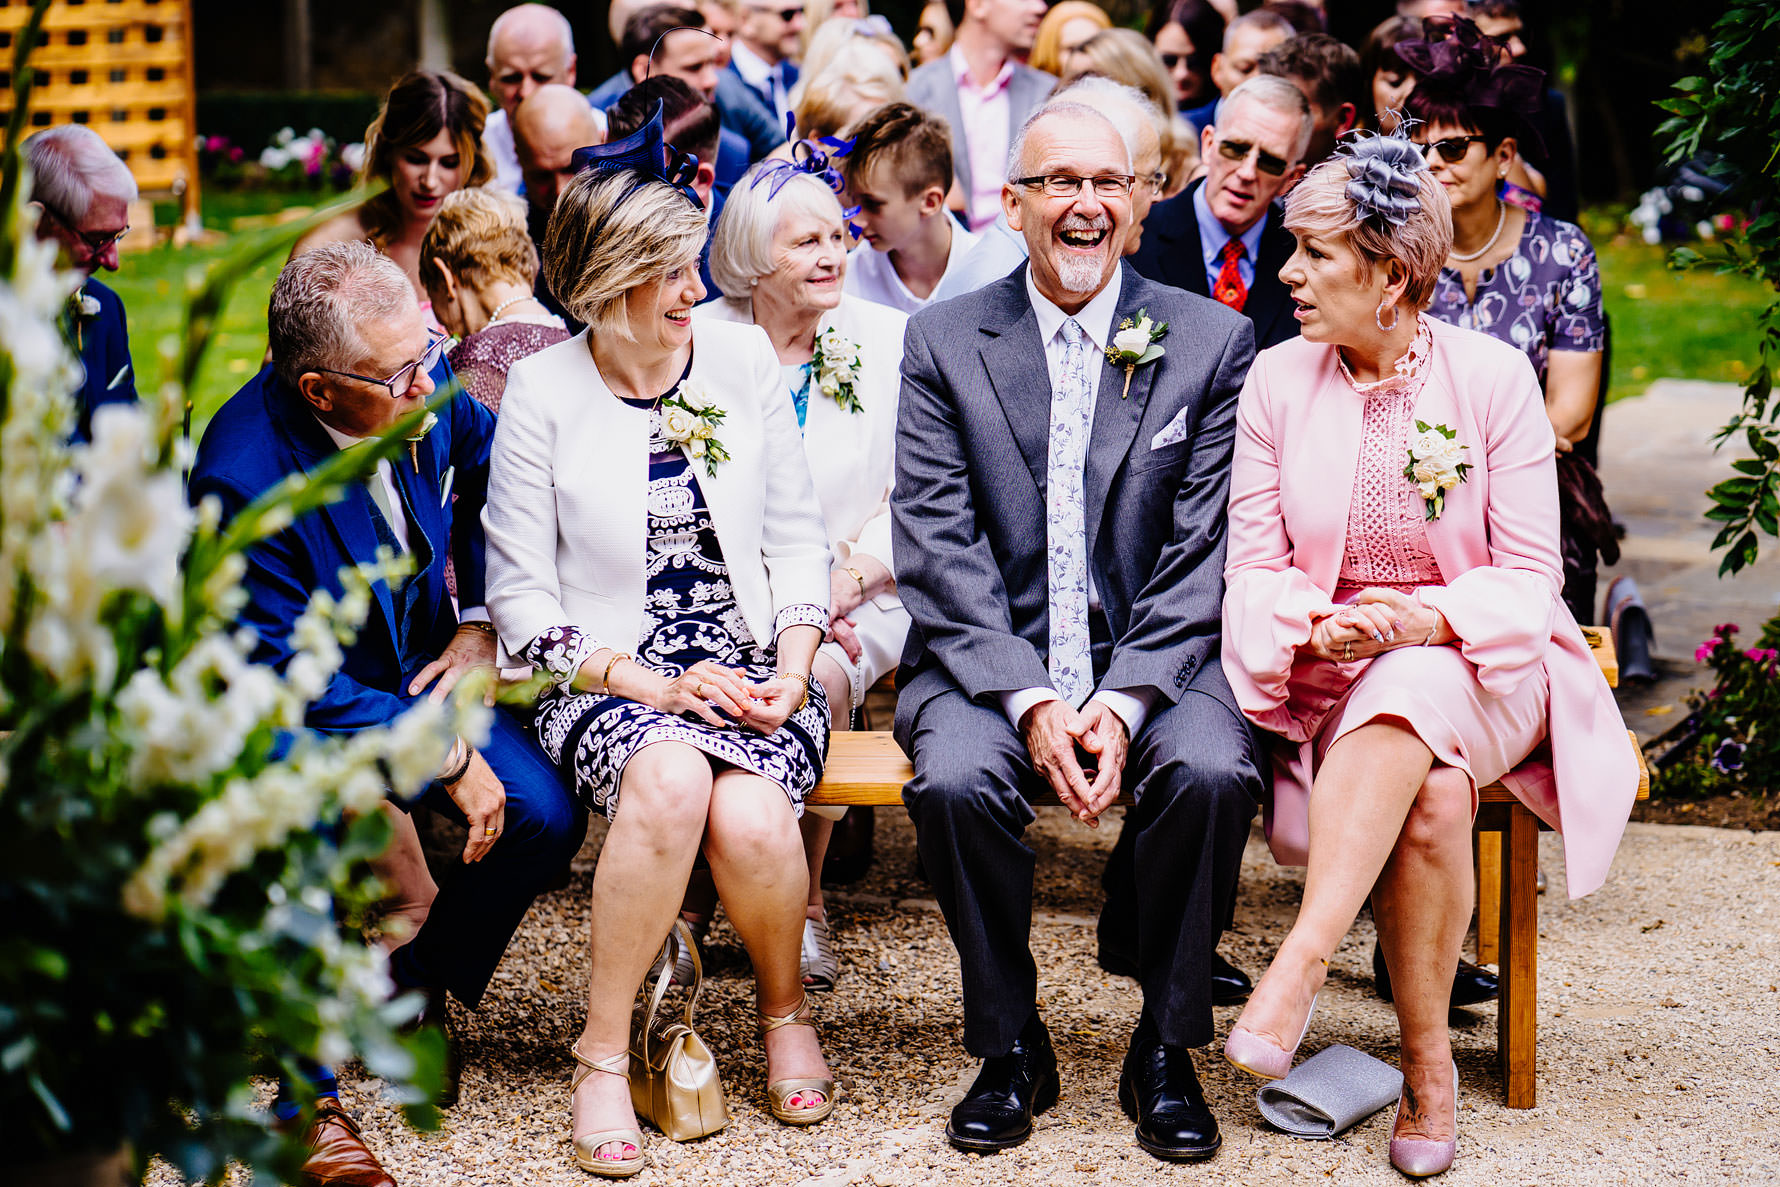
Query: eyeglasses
[(1158, 181), (1068, 185), (402, 381), (1452, 150), (96, 241), (1266, 162), (785, 14)]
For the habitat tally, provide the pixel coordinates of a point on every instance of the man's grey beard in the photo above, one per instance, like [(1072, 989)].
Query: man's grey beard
[(1078, 275)]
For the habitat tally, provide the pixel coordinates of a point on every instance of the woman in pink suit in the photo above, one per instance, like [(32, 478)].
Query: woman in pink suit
[(1392, 618)]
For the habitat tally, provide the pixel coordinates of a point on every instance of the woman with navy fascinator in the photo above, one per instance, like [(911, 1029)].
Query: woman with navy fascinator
[(654, 547), (1392, 620)]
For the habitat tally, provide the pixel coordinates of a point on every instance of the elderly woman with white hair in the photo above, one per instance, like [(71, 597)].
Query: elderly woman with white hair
[(654, 546), (1392, 619), (780, 249)]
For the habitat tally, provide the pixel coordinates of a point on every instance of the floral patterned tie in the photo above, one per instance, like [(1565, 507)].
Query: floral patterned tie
[(1229, 287), (1066, 532)]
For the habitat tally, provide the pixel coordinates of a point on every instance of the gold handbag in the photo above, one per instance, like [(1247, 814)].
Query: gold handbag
[(674, 1083)]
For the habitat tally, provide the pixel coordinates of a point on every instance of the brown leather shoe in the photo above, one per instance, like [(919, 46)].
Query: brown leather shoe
[(338, 1156)]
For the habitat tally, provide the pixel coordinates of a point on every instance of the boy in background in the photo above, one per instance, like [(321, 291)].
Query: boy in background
[(898, 173)]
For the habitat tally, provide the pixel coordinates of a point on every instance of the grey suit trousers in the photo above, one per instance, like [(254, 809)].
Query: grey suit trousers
[(1193, 775)]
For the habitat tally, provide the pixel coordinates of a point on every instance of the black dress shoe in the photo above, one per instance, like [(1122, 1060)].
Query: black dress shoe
[(1470, 984), (1229, 984), (1011, 1089), (1159, 1090), (435, 1014)]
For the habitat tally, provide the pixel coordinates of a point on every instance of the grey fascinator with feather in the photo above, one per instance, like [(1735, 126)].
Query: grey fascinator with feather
[(1382, 178)]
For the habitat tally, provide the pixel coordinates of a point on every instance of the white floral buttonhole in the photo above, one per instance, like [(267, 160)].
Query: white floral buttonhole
[(1436, 465)]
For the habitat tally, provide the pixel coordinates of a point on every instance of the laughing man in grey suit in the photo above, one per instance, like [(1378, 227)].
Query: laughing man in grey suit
[(1060, 546)]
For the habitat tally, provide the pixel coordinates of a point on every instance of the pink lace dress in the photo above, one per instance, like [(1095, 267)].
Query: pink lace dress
[(1432, 690)]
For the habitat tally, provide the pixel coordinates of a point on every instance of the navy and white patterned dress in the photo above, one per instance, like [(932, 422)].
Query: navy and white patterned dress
[(690, 614)]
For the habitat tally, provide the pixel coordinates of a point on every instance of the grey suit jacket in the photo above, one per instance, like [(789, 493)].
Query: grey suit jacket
[(968, 508), (935, 88)]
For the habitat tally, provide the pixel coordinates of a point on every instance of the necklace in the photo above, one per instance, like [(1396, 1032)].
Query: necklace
[(1501, 220), (511, 301)]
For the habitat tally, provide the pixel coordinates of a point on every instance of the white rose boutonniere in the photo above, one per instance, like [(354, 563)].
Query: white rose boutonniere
[(689, 418), (1135, 344), (1435, 465), (835, 368), (83, 305)]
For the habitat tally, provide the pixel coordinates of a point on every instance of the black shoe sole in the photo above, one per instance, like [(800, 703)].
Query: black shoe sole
[(1128, 1102), (1042, 1101)]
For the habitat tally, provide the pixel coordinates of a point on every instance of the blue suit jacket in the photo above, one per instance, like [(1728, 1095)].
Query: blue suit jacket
[(104, 343), (265, 432)]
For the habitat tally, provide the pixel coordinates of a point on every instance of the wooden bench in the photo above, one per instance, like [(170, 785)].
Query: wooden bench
[(868, 769)]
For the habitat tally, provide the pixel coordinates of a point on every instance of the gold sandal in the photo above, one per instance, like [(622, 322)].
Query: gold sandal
[(587, 1145), (780, 1092)]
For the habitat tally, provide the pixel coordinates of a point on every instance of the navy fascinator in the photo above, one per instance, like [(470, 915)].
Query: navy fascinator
[(1383, 182), (645, 154), (814, 157)]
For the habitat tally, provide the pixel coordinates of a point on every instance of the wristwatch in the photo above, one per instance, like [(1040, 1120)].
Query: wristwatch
[(856, 575)]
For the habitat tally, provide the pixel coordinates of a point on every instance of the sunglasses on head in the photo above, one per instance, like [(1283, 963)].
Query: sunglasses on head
[(1266, 162), (1452, 150)]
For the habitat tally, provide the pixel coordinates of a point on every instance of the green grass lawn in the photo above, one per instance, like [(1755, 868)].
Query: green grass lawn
[(1666, 324)]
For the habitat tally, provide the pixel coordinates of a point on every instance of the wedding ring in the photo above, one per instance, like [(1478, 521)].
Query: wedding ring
[(703, 688), (489, 832), (1347, 651)]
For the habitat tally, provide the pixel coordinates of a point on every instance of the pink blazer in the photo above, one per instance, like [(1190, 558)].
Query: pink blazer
[(1298, 438)]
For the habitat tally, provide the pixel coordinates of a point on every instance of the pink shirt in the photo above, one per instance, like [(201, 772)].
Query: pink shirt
[(984, 108)]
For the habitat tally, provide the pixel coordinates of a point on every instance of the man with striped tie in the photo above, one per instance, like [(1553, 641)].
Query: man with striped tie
[(1221, 237)]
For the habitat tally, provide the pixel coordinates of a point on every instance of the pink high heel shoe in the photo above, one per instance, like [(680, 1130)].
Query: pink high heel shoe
[(1253, 1054), (1417, 1157)]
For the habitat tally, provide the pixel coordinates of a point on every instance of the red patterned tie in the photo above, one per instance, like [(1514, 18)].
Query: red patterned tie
[(1229, 287)]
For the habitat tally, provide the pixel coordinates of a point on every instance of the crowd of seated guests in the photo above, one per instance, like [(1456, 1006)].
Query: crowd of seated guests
[(760, 212)]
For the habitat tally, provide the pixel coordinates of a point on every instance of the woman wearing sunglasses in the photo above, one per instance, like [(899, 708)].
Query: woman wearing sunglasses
[(1390, 620), (1517, 275)]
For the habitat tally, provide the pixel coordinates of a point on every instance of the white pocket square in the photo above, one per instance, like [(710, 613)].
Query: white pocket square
[(1172, 432)]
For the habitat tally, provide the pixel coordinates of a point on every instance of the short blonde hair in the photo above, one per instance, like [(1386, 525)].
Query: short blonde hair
[(614, 233), (1126, 56), (480, 235), (823, 40), (1047, 44), (858, 75), (742, 247), (1319, 206)]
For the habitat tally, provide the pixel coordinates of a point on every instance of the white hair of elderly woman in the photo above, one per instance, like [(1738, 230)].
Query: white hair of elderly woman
[(742, 247), (321, 298), (70, 165)]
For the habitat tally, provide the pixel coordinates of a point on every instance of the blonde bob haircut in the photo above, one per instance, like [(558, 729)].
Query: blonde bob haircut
[(610, 235), (742, 247), (857, 80), (480, 235), (1319, 206)]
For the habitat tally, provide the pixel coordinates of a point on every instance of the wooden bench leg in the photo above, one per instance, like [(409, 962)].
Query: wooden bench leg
[(1517, 1018), (1489, 897)]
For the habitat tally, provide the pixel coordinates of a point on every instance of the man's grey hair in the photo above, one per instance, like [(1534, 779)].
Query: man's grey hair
[(523, 11), (1261, 18), (70, 166), (1061, 105), (1277, 94), (1117, 102), (320, 299)]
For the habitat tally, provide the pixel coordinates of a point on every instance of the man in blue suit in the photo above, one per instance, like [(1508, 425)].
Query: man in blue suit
[(673, 41), (83, 192), (342, 318)]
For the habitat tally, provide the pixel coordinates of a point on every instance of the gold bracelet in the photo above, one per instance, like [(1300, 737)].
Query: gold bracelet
[(803, 680), (606, 679), (856, 575)]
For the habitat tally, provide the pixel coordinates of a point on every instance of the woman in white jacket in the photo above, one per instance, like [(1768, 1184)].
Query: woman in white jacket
[(780, 250), (654, 544)]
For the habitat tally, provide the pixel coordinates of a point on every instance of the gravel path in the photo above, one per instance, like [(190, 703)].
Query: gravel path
[(1659, 1040)]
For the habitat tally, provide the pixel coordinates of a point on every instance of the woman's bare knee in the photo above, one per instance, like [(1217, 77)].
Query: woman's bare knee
[(1440, 818), (669, 784), (752, 821), (838, 686)]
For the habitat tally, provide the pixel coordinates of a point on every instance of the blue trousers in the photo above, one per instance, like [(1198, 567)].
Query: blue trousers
[(481, 904)]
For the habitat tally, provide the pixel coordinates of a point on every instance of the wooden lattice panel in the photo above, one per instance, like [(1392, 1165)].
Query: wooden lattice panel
[(123, 68)]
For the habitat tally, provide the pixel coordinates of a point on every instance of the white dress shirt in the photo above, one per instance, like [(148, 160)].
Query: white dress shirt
[(398, 525), (871, 274), (497, 142), (1096, 321)]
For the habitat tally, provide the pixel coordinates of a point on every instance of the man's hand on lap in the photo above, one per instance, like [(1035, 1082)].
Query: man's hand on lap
[(470, 649)]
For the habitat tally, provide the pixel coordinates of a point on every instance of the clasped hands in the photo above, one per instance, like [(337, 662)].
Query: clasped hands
[(1379, 620), (1081, 754), (709, 690)]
